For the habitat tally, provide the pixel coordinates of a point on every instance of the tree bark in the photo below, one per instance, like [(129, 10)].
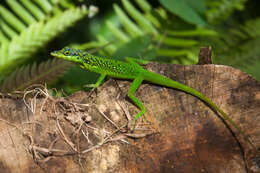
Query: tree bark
[(90, 132)]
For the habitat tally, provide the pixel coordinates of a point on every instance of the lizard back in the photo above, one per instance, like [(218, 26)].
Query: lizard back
[(103, 65), (113, 68)]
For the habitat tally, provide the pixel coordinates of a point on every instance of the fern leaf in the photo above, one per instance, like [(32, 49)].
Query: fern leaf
[(103, 41), (172, 44), (3, 38), (130, 26), (11, 19), (37, 13), (147, 8), (139, 18), (45, 72), (222, 9), (144, 5), (8, 31), (117, 32), (192, 33), (34, 37), (45, 5), (241, 48), (252, 27), (178, 42), (21, 11)]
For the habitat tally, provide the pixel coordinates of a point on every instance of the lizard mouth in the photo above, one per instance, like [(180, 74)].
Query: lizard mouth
[(54, 53), (58, 54)]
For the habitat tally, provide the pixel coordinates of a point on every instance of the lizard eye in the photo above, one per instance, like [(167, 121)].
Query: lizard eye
[(67, 52)]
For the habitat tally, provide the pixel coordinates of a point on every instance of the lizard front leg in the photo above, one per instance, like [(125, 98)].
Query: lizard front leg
[(98, 83)]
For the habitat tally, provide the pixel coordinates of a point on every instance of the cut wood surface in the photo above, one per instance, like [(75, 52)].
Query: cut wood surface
[(90, 132)]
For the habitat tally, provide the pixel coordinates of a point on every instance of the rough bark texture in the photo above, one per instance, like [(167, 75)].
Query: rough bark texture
[(205, 56), (181, 134)]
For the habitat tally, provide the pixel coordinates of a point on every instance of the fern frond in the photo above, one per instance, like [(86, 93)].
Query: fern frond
[(252, 28), (147, 8), (36, 12), (103, 41), (11, 19), (45, 72), (145, 24), (21, 11), (119, 34), (34, 37), (167, 41), (3, 38), (128, 24), (219, 10), (241, 47), (45, 5)]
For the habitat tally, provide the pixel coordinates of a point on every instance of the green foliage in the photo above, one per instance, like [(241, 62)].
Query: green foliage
[(176, 45), (24, 31), (31, 38), (220, 10), (188, 10), (241, 48), (138, 44), (25, 76)]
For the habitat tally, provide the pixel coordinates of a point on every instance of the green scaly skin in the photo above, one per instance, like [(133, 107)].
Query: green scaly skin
[(132, 70)]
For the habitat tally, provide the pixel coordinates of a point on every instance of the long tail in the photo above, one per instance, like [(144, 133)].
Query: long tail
[(164, 81)]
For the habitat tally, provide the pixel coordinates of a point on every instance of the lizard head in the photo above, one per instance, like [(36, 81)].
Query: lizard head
[(70, 54)]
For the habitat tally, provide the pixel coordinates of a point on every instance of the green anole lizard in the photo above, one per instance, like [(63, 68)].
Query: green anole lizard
[(130, 69)]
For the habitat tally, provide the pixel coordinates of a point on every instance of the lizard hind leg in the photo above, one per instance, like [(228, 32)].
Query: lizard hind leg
[(134, 86)]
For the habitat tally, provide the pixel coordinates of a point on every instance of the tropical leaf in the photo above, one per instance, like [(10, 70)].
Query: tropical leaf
[(188, 10)]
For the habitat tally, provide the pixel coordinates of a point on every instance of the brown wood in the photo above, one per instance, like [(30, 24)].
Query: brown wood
[(205, 56), (185, 135)]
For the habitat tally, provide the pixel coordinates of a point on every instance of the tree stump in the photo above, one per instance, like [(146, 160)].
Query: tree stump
[(90, 132)]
